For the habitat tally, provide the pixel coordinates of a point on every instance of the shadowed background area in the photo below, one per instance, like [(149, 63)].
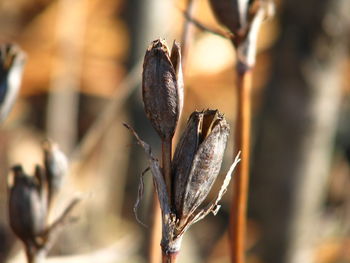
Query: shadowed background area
[(82, 81)]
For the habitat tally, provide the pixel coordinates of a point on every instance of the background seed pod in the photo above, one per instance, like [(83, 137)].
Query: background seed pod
[(231, 13), (160, 89), (12, 60), (56, 166), (27, 212), (197, 160)]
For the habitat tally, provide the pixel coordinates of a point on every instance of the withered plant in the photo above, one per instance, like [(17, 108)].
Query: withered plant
[(182, 183), (30, 200), (243, 19)]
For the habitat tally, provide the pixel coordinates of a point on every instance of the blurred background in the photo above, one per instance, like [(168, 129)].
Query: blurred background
[(82, 80)]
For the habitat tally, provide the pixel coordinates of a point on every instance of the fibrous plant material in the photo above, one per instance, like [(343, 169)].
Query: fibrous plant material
[(12, 60), (243, 18), (29, 204)]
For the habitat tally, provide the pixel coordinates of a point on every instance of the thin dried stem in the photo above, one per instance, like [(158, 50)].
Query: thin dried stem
[(206, 28), (169, 258), (241, 180), (35, 254), (156, 231)]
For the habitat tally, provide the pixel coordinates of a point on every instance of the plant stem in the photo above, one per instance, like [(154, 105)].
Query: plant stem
[(169, 258), (35, 255), (166, 163), (241, 180), (154, 252), (156, 226)]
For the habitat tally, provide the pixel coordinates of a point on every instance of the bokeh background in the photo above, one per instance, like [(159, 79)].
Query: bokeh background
[(82, 80)]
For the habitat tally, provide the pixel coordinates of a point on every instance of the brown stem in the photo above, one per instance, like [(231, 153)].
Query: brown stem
[(242, 143), (166, 163), (154, 244), (187, 32), (169, 258), (35, 255)]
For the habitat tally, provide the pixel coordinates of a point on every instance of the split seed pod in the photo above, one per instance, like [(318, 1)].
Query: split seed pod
[(231, 13), (243, 18), (162, 87), (27, 210), (56, 166), (12, 60), (197, 160)]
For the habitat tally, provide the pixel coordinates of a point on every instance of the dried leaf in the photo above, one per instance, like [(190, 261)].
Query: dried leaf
[(156, 172), (140, 196)]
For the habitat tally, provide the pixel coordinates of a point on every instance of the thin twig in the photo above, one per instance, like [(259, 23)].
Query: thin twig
[(206, 28), (241, 180), (108, 115), (56, 226)]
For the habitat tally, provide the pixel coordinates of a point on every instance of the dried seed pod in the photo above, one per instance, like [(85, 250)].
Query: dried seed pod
[(162, 87), (197, 160), (231, 13), (27, 212), (12, 61), (56, 166)]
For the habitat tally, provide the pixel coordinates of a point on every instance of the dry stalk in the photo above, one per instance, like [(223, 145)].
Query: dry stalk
[(243, 19), (241, 180)]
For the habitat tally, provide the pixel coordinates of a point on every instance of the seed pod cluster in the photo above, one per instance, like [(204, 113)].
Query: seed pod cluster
[(198, 155), (30, 197), (12, 60)]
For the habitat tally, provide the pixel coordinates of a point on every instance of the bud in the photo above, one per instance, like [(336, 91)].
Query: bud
[(56, 166), (12, 60), (197, 160), (162, 87), (27, 212)]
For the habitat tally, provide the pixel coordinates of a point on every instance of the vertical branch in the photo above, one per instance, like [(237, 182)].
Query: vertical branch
[(187, 32), (241, 180), (62, 112), (156, 231)]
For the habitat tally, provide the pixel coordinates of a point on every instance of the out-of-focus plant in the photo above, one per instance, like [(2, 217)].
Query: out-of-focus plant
[(243, 18), (183, 182), (12, 60), (30, 199)]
